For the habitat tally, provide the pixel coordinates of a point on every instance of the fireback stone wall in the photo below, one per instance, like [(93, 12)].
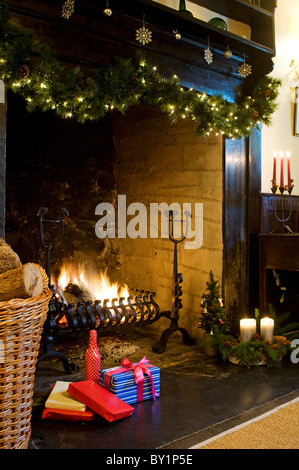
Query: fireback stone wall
[(163, 162)]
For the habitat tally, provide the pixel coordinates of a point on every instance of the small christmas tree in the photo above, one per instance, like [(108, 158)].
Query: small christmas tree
[(213, 318)]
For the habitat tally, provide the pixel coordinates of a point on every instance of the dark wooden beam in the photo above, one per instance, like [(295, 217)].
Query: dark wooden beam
[(2, 159), (234, 231)]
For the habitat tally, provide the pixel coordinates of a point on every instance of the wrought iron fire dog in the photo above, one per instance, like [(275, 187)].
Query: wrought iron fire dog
[(50, 323), (177, 293)]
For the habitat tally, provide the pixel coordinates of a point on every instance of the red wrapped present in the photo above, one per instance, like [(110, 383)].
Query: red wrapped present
[(100, 400), (67, 415)]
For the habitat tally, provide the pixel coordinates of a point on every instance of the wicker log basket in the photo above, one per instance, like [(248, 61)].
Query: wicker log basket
[(21, 325)]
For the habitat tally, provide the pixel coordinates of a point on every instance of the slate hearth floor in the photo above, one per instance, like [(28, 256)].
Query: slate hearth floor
[(200, 397)]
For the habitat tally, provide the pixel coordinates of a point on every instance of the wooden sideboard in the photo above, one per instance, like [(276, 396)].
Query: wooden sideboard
[(276, 251)]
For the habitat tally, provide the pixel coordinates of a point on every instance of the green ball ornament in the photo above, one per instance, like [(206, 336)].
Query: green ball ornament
[(219, 22)]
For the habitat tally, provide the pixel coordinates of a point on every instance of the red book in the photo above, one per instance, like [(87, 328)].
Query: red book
[(100, 400)]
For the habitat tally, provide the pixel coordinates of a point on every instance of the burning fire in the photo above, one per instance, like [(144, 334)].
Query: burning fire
[(97, 286)]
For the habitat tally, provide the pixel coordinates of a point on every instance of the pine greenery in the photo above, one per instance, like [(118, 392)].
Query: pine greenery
[(213, 318)]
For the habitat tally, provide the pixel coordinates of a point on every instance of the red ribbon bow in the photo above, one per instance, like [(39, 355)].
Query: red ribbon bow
[(139, 370)]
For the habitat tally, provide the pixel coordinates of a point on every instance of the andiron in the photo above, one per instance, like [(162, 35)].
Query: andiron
[(50, 323), (177, 293)]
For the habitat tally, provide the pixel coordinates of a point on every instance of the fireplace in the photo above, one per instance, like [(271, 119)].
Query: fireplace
[(142, 158)]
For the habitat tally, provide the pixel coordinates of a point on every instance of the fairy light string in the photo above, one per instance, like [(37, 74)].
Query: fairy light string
[(32, 70)]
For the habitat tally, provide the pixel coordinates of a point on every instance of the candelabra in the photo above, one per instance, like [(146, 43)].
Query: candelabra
[(285, 192), (287, 189)]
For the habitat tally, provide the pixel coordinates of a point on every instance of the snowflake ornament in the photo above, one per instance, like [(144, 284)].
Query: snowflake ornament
[(68, 9), (208, 55), (143, 35), (244, 69)]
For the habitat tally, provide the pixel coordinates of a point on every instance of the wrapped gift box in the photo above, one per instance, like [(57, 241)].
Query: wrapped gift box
[(60, 398), (121, 381), (67, 415), (99, 400)]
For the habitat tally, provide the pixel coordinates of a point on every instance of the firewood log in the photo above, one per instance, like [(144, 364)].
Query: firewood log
[(8, 258), (21, 283)]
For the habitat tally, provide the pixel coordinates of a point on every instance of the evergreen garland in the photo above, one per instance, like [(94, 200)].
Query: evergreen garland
[(31, 69)]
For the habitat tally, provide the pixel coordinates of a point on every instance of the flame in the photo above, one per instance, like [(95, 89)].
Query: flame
[(98, 285)]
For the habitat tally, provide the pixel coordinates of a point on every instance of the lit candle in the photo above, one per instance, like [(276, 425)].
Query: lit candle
[(267, 328), (247, 329), (289, 169), (274, 167), (281, 170)]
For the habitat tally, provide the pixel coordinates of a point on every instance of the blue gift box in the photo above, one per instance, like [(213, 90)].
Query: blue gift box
[(123, 385)]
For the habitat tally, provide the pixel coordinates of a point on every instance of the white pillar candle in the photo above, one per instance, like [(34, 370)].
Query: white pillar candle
[(247, 329), (267, 328)]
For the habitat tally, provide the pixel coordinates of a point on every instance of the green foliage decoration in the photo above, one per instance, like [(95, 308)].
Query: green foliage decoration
[(213, 317), (32, 70), (252, 353)]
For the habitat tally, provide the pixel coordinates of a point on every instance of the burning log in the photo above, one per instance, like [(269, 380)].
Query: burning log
[(21, 283), (8, 258)]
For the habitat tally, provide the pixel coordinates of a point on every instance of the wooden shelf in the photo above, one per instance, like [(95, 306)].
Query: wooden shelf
[(259, 20)]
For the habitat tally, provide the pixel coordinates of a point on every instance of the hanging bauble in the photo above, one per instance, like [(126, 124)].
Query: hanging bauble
[(107, 11), (268, 93), (24, 71), (177, 34), (228, 53)]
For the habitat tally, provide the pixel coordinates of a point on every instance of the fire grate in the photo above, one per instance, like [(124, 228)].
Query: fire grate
[(68, 319), (89, 315)]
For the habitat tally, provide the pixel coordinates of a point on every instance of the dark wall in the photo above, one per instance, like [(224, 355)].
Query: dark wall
[(57, 163)]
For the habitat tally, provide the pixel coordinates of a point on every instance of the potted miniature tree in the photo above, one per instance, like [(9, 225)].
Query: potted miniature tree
[(213, 317)]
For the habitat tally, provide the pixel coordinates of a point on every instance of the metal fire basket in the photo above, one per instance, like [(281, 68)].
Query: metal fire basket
[(92, 315)]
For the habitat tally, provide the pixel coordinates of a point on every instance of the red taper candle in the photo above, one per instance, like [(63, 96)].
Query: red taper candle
[(281, 170), (274, 167), (289, 169)]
